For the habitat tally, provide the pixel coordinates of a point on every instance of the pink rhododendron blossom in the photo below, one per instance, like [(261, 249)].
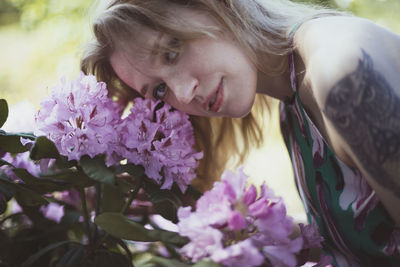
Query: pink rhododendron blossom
[(53, 211), (72, 197), (160, 139), (233, 226), (79, 118), (239, 255), (283, 254), (310, 235), (20, 160)]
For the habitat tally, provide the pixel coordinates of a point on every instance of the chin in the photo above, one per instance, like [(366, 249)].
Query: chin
[(239, 113)]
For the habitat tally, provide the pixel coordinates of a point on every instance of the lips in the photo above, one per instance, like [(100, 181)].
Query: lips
[(215, 99)]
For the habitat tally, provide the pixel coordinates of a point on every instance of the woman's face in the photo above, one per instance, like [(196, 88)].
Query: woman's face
[(207, 77)]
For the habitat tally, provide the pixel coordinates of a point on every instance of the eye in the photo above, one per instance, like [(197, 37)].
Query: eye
[(160, 91), (170, 57), (172, 52)]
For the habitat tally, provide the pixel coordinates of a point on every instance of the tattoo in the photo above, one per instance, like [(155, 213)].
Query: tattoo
[(366, 110)]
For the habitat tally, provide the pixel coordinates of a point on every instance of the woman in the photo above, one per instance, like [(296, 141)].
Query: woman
[(337, 77)]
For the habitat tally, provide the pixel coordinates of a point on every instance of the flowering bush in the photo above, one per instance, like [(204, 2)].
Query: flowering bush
[(81, 190), (81, 120), (235, 227)]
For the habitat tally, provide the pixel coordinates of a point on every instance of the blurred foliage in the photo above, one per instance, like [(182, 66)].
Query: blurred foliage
[(325, 3), (41, 40), (31, 13)]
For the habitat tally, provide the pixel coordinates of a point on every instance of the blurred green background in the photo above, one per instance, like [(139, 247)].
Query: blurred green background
[(41, 41)]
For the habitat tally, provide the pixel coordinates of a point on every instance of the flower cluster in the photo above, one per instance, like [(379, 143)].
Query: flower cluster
[(235, 227), (81, 120), (160, 139)]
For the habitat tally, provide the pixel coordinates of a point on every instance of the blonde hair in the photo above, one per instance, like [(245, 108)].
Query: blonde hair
[(261, 27)]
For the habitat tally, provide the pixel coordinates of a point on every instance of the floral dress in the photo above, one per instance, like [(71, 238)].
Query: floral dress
[(357, 229)]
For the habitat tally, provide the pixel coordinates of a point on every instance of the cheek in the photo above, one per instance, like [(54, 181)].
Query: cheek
[(191, 109)]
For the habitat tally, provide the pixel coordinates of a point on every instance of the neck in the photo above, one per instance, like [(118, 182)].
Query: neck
[(278, 85)]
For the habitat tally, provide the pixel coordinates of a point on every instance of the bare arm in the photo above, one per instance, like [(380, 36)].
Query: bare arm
[(353, 70), (364, 111)]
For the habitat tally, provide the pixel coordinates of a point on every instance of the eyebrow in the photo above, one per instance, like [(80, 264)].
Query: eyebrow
[(155, 50)]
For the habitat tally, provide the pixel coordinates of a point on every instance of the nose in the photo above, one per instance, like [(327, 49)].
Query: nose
[(183, 86)]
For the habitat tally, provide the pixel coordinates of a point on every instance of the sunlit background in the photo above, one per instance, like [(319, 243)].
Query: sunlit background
[(41, 41)]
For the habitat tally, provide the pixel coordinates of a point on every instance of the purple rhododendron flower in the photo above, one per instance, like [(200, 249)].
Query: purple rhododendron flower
[(79, 118), (53, 211), (234, 226), (162, 141), (311, 236), (243, 253), (20, 160)]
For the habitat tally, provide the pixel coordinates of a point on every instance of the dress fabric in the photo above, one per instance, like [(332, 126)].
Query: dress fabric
[(357, 229)]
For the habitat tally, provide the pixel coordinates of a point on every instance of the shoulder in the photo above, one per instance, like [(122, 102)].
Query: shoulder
[(352, 71), (335, 47)]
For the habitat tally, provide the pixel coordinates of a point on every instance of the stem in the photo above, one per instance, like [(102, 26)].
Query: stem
[(98, 201), (132, 196), (85, 213), (98, 209)]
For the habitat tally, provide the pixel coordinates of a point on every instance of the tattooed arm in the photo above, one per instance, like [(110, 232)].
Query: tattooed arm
[(353, 77), (364, 110)]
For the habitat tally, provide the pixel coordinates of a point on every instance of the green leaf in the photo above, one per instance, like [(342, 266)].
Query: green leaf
[(125, 186), (23, 194), (165, 202), (163, 262), (196, 194), (41, 185), (73, 257), (96, 169), (3, 204), (136, 171), (106, 258), (3, 112), (76, 178), (43, 251), (28, 197), (207, 263), (63, 163), (6, 193), (3, 162), (124, 246), (44, 148), (113, 199), (11, 143), (119, 226)]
